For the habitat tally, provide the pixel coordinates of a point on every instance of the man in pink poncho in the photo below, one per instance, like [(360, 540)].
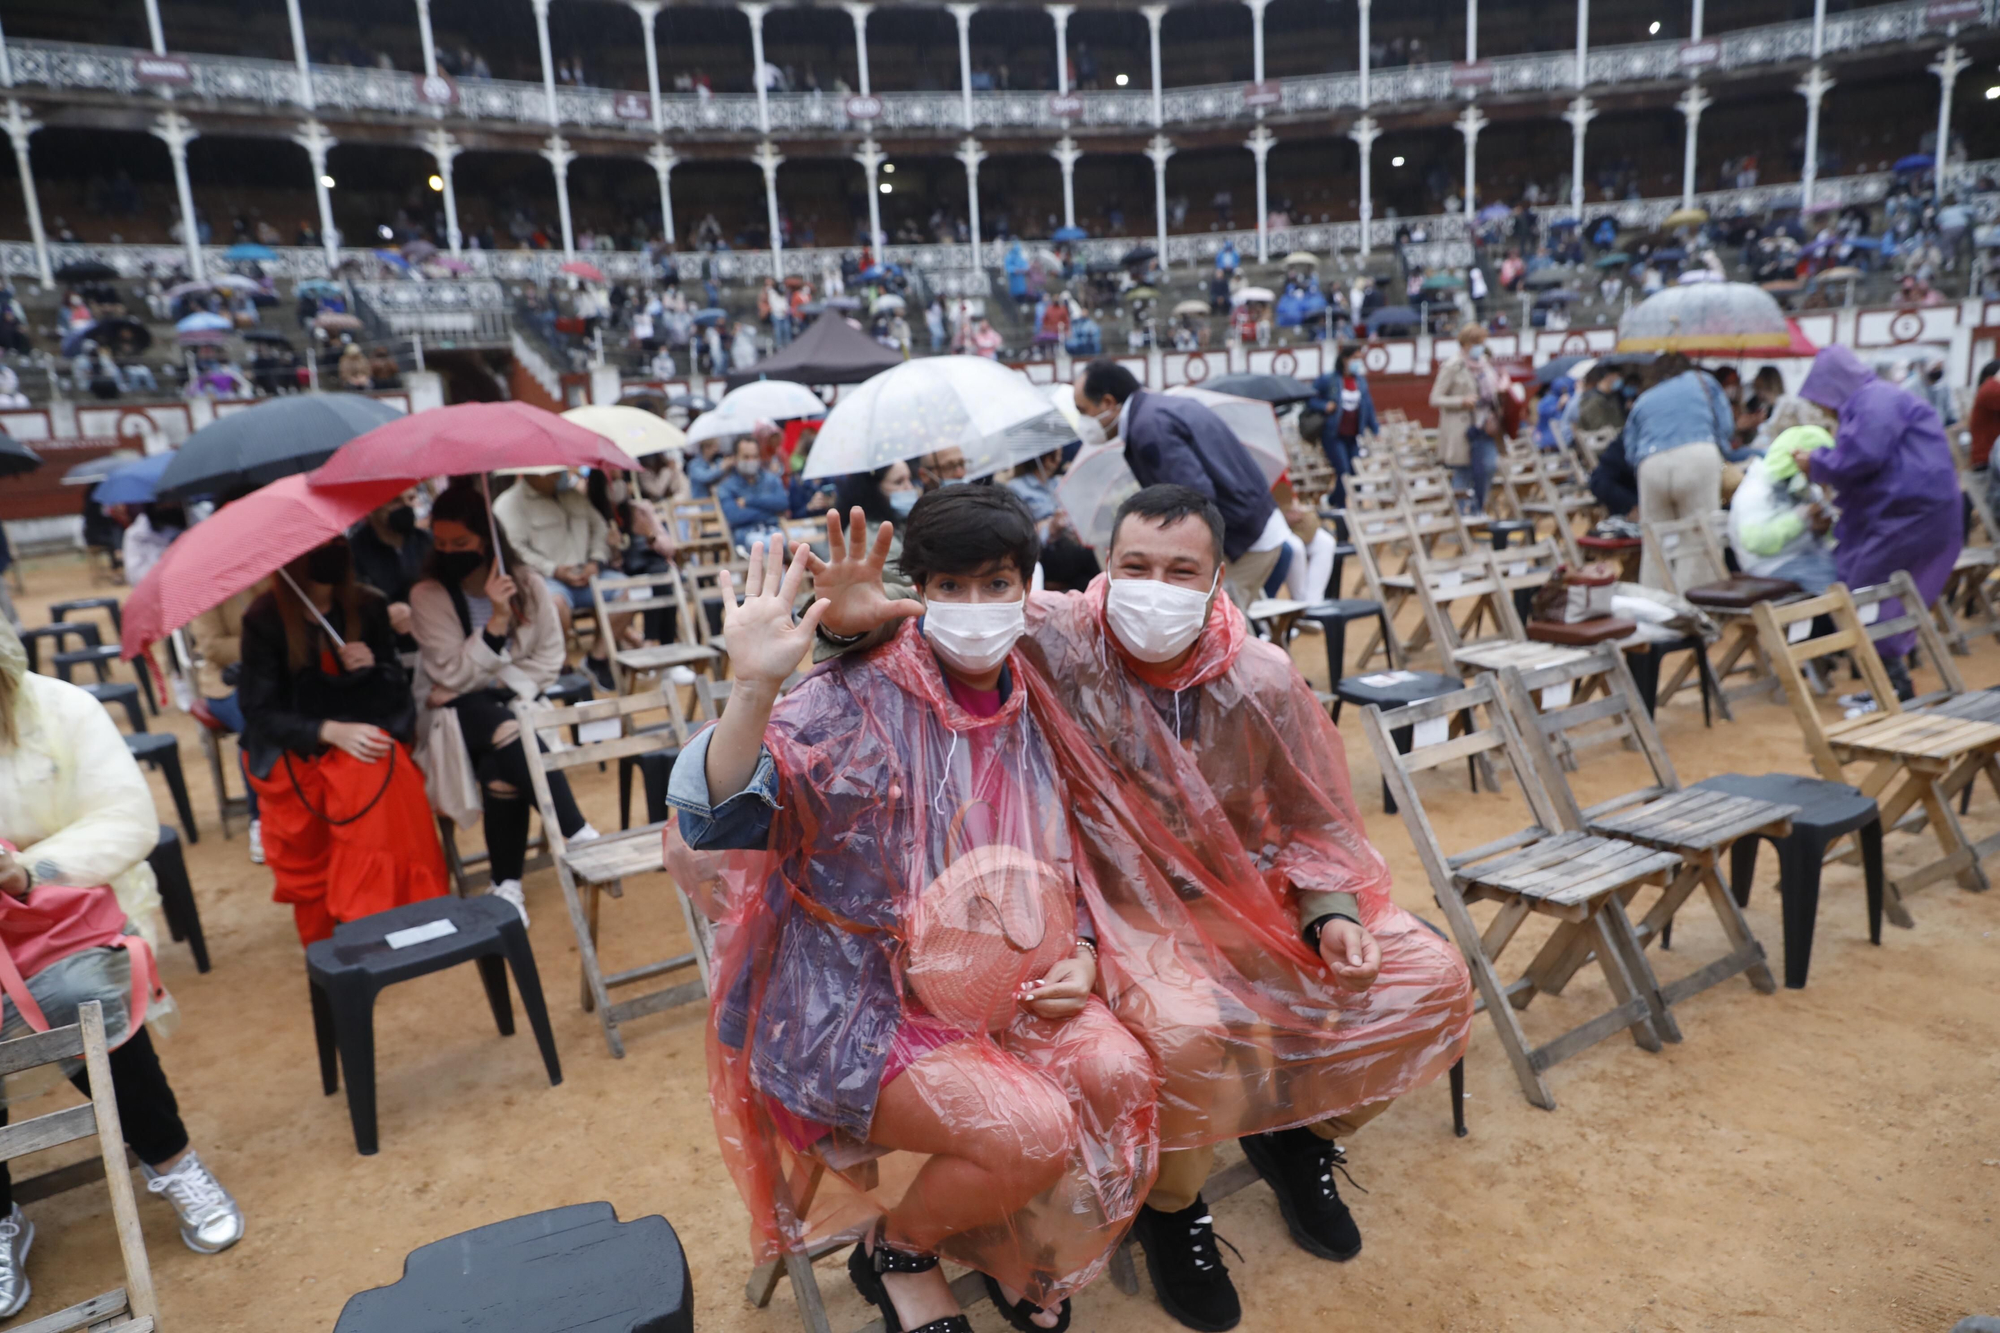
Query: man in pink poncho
[(1248, 937)]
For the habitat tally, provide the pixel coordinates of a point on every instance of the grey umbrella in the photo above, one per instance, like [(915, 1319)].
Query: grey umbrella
[(271, 440)]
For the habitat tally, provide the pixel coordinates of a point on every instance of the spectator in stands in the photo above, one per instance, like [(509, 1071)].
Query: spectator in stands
[(1170, 439), (390, 551), (754, 498), (218, 641), (550, 521), (483, 641), (1678, 435), (664, 476), (706, 467), (328, 720), (149, 535), (383, 372), (354, 372), (78, 902), (808, 498), (885, 495), (946, 467), (1466, 393)]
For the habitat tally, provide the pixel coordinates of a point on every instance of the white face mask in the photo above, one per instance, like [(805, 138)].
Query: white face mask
[(1157, 621), (974, 636), (617, 492), (1090, 430)]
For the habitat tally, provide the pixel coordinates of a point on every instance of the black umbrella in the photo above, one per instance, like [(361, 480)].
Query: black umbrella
[(16, 458), (1273, 389), (692, 403), (1139, 254), (125, 336), (266, 336), (1628, 359), (1392, 316), (1544, 277), (272, 440), (85, 270), (1555, 368)]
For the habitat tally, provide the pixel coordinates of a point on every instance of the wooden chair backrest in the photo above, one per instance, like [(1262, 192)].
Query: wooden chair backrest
[(1532, 565), (1399, 770), (625, 709), (1916, 616), (1849, 635), (620, 588), (1686, 552), (702, 587), (1544, 727), (1442, 584), (700, 528), (1984, 531), (96, 1118)]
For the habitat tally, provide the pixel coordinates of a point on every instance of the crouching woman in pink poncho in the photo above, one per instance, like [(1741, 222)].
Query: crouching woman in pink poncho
[(904, 978)]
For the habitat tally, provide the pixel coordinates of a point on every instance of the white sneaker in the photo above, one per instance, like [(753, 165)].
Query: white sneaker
[(210, 1220), (256, 842), (680, 675), (17, 1237), (584, 834), (510, 890)]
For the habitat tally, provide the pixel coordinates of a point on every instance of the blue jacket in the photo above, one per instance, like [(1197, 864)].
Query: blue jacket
[(1687, 409), (753, 503), (1178, 440), (702, 476), (1326, 398)]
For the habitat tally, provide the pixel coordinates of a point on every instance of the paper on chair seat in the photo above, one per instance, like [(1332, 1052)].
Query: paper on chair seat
[(430, 930), (604, 729), (1434, 732)]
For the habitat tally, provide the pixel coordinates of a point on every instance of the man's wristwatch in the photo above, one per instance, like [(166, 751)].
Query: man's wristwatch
[(1312, 932), (840, 640)]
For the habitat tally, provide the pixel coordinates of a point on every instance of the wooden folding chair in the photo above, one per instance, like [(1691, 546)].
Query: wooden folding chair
[(635, 594), (132, 1307), (701, 587), (1491, 635), (1915, 759), (590, 869), (701, 533), (1378, 539), (1966, 605), (1545, 870), (1696, 824), (1564, 496), (1688, 555)]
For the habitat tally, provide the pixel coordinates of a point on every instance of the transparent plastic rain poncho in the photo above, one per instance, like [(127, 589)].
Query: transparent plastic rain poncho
[(883, 783), (1190, 812)]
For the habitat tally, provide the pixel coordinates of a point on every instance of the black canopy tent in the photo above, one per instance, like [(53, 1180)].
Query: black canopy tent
[(832, 351)]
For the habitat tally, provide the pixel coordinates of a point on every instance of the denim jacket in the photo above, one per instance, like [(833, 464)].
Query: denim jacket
[(1690, 408)]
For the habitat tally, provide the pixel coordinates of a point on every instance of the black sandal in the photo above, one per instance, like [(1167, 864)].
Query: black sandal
[(865, 1270), (1021, 1313)]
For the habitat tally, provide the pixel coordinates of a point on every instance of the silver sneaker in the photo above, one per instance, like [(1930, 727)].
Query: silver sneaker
[(17, 1237), (256, 842), (210, 1220)]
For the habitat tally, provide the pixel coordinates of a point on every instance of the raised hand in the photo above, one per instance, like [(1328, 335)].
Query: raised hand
[(849, 581), (764, 644)]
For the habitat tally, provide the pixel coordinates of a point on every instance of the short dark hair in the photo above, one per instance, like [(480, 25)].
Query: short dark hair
[(1988, 371), (1105, 376), (962, 529), (1169, 504), (1599, 373)]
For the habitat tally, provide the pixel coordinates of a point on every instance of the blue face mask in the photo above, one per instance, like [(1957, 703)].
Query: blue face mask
[(902, 502), (951, 481)]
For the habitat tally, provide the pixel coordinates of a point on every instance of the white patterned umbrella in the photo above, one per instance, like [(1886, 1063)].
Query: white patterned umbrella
[(1706, 318), (991, 412)]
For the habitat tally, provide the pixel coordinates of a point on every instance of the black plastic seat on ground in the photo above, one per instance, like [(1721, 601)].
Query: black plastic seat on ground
[(1645, 666), (122, 693), (100, 659), (109, 605), (85, 633), (162, 749), (577, 1267), (1399, 689), (362, 960), (1827, 810), (1501, 532), (177, 895), (1332, 617)]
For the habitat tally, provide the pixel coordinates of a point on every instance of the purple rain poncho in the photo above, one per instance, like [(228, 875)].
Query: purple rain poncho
[(1892, 471)]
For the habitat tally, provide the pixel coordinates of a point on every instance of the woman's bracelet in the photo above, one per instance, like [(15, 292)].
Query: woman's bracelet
[(1086, 944)]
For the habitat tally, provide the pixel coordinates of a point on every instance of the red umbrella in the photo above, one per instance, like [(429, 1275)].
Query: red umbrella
[(471, 437), (588, 272), (241, 543)]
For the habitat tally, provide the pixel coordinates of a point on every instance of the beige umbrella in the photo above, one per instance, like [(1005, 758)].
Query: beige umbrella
[(1685, 217), (1303, 257)]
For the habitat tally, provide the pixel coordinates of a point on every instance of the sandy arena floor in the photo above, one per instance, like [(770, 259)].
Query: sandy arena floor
[(1817, 1159)]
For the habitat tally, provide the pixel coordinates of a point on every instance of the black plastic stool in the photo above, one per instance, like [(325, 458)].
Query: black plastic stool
[(1341, 551), (109, 605), (653, 767), (120, 692), (177, 895), (1645, 664), (31, 639), (100, 660), (1332, 618), (1417, 687), (1500, 532), (162, 749), (348, 971), (1826, 811), (569, 1268)]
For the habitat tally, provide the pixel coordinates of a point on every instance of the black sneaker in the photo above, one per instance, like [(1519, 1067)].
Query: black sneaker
[(1189, 1276), (600, 671), (1298, 1165)]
